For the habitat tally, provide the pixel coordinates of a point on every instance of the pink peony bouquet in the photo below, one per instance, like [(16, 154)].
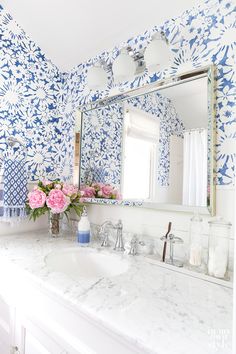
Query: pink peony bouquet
[(54, 196), (99, 190)]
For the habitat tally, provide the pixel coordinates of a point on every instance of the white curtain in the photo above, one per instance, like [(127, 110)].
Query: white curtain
[(195, 168)]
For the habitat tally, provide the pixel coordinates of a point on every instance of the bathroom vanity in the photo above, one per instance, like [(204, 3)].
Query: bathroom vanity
[(120, 304)]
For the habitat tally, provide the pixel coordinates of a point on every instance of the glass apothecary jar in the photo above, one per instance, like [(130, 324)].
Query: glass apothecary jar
[(195, 258), (218, 256)]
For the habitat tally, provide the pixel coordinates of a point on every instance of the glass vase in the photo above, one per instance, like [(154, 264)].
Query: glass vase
[(55, 224)]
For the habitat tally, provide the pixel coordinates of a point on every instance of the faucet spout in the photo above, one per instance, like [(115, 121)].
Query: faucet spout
[(104, 231), (105, 225)]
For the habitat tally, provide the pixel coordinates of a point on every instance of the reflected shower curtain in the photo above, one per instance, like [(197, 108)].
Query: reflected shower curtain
[(195, 168)]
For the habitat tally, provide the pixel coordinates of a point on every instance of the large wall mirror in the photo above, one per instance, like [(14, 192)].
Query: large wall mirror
[(154, 144)]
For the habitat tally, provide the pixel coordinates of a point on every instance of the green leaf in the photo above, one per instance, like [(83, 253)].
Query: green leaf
[(78, 209), (36, 213)]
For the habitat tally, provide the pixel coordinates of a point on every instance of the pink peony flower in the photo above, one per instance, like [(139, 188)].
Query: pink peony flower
[(36, 199), (45, 182), (81, 196), (117, 195), (81, 193), (57, 201), (88, 192), (70, 190), (100, 194), (57, 186), (107, 191)]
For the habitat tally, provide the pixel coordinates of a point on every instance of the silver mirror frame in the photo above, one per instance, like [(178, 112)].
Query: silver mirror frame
[(159, 85)]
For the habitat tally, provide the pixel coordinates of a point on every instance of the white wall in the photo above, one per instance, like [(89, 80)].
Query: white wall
[(7, 228)]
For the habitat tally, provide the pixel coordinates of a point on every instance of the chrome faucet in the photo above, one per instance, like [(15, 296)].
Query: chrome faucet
[(134, 244), (119, 244)]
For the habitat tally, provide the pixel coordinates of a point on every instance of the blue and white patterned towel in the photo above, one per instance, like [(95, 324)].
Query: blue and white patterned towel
[(1, 191), (14, 188)]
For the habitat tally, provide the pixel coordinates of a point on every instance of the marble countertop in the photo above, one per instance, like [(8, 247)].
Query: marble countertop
[(163, 311)]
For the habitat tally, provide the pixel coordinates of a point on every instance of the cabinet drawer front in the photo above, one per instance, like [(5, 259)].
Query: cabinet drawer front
[(32, 339), (38, 344)]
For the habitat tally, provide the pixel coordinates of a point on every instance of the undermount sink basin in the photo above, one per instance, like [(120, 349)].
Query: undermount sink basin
[(86, 263)]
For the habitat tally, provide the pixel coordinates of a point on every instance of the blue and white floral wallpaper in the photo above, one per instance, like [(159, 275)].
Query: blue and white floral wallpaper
[(102, 135), (32, 103), (201, 36), (40, 103), (101, 145)]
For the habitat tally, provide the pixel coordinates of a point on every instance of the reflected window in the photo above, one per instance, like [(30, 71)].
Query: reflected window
[(140, 147)]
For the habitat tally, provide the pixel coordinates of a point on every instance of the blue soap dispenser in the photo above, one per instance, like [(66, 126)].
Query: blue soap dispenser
[(83, 233)]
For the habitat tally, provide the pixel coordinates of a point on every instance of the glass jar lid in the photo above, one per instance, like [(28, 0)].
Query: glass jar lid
[(219, 221), (196, 218)]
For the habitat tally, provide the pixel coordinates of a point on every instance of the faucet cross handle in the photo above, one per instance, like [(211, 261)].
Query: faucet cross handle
[(172, 240), (133, 246)]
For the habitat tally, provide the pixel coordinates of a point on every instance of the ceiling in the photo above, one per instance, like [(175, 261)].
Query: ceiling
[(72, 31)]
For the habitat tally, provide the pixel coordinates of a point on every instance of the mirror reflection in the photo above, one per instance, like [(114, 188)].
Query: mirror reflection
[(153, 146)]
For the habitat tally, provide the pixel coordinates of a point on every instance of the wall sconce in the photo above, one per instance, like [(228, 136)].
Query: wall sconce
[(124, 66), (157, 54), (97, 77)]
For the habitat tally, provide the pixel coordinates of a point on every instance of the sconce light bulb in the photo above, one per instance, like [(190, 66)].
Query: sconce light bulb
[(97, 77), (124, 66), (157, 54)]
